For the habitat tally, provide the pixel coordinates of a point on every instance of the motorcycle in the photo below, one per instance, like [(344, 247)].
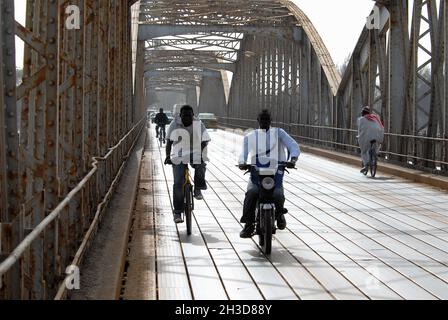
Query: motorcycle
[(265, 213)]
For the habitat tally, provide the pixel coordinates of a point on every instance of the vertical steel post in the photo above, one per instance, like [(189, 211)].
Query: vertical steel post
[(12, 229)]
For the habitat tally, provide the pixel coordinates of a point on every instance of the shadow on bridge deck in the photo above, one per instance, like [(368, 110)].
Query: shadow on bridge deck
[(348, 236)]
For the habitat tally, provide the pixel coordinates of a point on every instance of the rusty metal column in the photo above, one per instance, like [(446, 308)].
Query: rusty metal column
[(433, 150), (279, 80), (294, 93), (253, 76), (78, 139), (191, 97), (240, 107), (33, 144), (268, 74), (242, 110), (3, 148), (398, 51), (256, 73), (51, 136), (245, 79), (287, 93), (263, 71), (444, 8), (139, 80), (274, 72), (65, 141), (372, 72), (305, 84), (103, 77), (11, 226)]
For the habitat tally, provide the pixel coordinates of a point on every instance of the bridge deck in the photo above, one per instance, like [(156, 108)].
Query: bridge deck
[(348, 236)]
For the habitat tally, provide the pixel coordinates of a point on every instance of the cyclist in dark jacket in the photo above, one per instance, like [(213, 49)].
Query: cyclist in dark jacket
[(161, 120)]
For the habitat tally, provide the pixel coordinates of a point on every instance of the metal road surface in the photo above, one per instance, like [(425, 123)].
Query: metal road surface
[(348, 236)]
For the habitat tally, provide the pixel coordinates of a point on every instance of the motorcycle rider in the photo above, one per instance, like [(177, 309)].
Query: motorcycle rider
[(267, 146)]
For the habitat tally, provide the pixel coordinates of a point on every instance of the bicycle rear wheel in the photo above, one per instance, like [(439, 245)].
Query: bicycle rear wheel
[(373, 162), (188, 207)]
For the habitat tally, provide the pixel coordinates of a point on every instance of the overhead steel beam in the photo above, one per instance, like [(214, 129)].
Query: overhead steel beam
[(147, 32), (210, 66), (167, 73)]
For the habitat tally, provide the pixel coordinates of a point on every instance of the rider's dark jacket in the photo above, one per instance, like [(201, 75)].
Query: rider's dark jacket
[(161, 119)]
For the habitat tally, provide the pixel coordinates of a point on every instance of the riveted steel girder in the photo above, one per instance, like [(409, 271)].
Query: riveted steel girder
[(74, 102), (398, 70)]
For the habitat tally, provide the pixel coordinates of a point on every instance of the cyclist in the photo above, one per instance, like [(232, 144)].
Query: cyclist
[(370, 128), (186, 144), (267, 146), (161, 120)]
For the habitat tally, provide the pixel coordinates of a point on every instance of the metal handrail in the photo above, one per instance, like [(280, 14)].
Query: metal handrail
[(354, 146), (31, 237), (345, 129)]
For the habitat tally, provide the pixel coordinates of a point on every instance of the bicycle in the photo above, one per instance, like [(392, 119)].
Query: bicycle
[(188, 199), (162, 135), (373, 160)]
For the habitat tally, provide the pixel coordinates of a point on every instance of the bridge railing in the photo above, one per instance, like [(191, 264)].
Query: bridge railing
[(345, 140), (75, 100), (102, 179)]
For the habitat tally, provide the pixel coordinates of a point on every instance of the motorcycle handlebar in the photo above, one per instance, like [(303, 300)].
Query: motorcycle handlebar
[(289, 165)]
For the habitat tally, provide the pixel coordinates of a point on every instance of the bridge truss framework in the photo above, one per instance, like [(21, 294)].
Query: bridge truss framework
[(69, 124)]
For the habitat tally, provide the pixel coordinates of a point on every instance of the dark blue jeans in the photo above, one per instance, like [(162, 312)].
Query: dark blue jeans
[(250, 202), (179, 180), (160, 129)]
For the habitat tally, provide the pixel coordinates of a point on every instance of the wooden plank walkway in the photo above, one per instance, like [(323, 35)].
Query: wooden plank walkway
[(348, 236)]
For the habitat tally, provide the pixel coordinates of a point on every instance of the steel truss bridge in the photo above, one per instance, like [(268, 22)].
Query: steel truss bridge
[(70, 122)]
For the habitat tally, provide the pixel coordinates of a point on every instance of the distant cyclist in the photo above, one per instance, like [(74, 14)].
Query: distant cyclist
[(370, 128), (161, 120)]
